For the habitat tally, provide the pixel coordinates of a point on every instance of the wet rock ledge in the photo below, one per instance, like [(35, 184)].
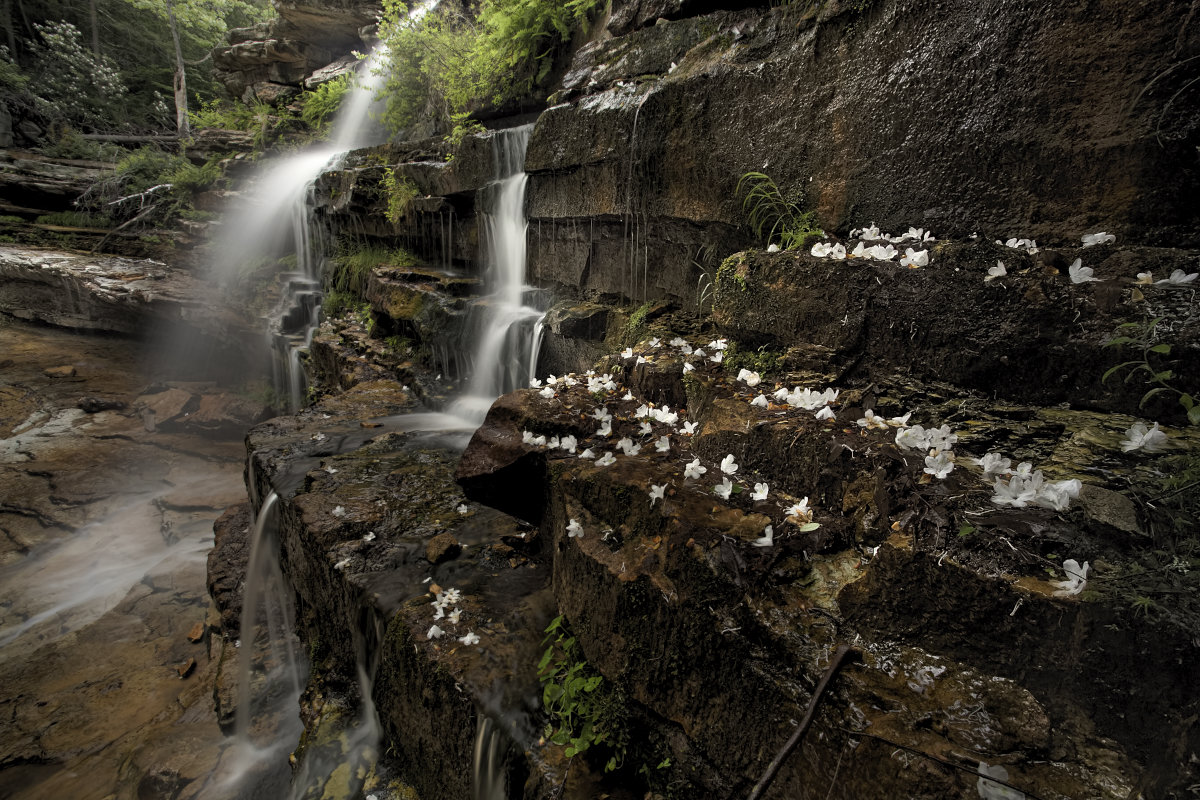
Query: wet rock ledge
[(969, 653)]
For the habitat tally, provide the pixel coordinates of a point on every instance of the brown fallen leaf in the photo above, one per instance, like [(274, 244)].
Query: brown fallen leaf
[(186, 668), (196, 633)]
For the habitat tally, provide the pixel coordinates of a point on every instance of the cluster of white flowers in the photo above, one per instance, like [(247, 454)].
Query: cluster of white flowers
[(1024, 485), (873, 234), (837, 252), (1028, 245), (444, 599)]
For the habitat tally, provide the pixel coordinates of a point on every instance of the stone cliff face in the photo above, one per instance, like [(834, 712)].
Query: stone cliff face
[(307, 44), (1006, 118)]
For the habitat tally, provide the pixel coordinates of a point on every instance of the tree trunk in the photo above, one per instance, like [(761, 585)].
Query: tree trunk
[(180, 82), (95, 28)]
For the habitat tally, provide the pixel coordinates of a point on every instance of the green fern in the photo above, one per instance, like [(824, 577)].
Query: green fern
[(775, 219)]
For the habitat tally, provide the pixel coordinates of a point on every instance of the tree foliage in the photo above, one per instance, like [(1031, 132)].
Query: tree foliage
[(448, 61), (65, 53)]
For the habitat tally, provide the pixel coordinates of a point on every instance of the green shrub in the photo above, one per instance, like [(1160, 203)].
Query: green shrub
[(75, 219), (321, 104), (400, 193), (774, 218), (448, 63)]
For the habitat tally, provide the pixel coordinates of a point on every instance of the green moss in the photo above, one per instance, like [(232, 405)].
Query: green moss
[(762, 360)]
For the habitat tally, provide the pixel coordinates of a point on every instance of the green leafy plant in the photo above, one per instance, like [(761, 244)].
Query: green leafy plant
[(448, 62), (774, 218), (584, 710), (1143, 338), (400, 193), (322, 103)]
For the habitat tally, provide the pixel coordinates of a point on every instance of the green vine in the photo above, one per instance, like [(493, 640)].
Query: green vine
[(1143, 337)]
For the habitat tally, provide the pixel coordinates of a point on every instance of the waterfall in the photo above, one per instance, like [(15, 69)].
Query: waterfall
[(487, 768), (505, 326), (271, 670), (275, 217)]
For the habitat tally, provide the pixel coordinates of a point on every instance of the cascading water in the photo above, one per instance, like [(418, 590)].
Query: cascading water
[(506, 328), (271, 670), (279, 209)]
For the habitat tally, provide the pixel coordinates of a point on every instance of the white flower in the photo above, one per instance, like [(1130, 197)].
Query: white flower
[(694, 469), (698, 353), (830, 394), (914, 438), (370, 537), (1058, 495), (1090, 239), (767, 539), (998, 271), (605, 428), (606, 459), (942, 438), (717, 357), (869, 421), (628, 396), (723, 489), (939, 463), (760, 492), (915, 258), (624, 444), (1145, 278), (800, 511), (463, 509), (806, 399), (656, 492), (1024, 470), (655, 342), (341, 565), (900, 422), (627, 352), (719, 344), (574, 529), (1139, 437), (1016, 492), (679, 341), (339, 511), (761, 401), (690, 427), (435, 632), (535, 383), (568, 443), (727, 465), (600, 414), (782, 394), (645, 429), (838, 252), (640, 360), (861, 251), (749, 378), (1081, 274), (993, 464), (450, 596), (455, 616), (825, 413), (687, 367), (772, 248), (587, 453), (883, 252), (663, 445), (1178, 278), (552, 443), (539, 441), (1076, 580), (870, 234), (547, 393), (821, 249), (469, 639)]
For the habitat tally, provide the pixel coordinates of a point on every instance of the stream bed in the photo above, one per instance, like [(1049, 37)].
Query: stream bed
[(105, 525)]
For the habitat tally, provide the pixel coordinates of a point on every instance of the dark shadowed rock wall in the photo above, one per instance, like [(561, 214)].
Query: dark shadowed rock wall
[(1006, 117)]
